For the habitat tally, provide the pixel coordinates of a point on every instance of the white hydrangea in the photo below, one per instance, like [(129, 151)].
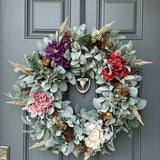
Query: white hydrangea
[(96, 136)]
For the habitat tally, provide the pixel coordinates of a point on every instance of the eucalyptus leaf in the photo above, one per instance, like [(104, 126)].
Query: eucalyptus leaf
[(16, 88), (63, 86), (96, 103), (98, 57), (54, 88), (30, 100), (41, 134), (133, 123), (141, 104), (102, 89)]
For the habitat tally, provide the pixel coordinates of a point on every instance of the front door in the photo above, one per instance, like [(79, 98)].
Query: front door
[(23, 22)]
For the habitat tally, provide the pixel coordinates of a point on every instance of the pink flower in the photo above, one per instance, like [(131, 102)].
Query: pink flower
[(42, 103)]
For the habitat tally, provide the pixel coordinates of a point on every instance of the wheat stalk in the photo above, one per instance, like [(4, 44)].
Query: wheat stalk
[(137, 115), (88, 153), (21, 68), (106, 27), (39, 144), (62, 28), (19, 103), (139, 62)]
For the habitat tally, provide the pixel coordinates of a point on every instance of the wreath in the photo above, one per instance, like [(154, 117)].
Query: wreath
[(72, 57)]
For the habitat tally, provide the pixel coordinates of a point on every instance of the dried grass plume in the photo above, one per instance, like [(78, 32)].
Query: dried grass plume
[(21, 68), (139, 62), (39, 144), (106, 27), (62, 28), (137, 115), (18, 103)]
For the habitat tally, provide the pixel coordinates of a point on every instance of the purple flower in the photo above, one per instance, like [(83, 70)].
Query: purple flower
[(56, 51)]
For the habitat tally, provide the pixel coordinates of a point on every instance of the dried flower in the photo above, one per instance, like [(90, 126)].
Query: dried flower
[(42, 103), (45, 62), (122, 95), (56, 51), (69, 134), (96, 137), (62, 126), (118, 69), (116, 83), (55, 113), (67, 35)]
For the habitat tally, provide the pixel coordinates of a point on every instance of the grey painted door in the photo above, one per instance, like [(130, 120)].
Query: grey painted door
[(23, 22)]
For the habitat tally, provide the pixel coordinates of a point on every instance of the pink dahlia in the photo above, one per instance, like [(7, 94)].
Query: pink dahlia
[(42, 103)]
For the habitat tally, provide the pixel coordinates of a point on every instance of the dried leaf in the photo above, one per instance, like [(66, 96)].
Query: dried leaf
[(106, 27), (137, 115), (21, 68), (19, 103), (62, 28), (139, 62), (88, 153), (39, 144)]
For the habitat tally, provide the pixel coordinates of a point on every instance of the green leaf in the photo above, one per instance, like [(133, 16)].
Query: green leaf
[(78, 131), (35, 89), (131, 101), (63, 148), (61, 70), (77, 109), (30, 100), (70, 148), (67, 55), (35, 60), (133, 91), (111, 146), (100, 81), (92, 74), (131, 116), (133, 123), (66, 114), (141, 104), (58, 133), (102, 89), (52, 142), (125, 105), (54, 88), (88, 55), (46, 40), (110, 121), (25, 121), (96, 104), (98, 57), (114, 33), (41, 134), (16, 88), (83, 59), (63, 86), (57, 105), (73, 80), (75, 55)]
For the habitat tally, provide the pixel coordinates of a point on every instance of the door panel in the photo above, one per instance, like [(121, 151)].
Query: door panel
[(23, 22)]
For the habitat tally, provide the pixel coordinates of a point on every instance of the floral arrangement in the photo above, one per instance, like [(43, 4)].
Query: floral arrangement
[(63, 57)]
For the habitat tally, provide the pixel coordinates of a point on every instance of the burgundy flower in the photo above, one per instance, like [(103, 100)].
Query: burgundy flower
[(56, 51), (118, 68), (107, 75)]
